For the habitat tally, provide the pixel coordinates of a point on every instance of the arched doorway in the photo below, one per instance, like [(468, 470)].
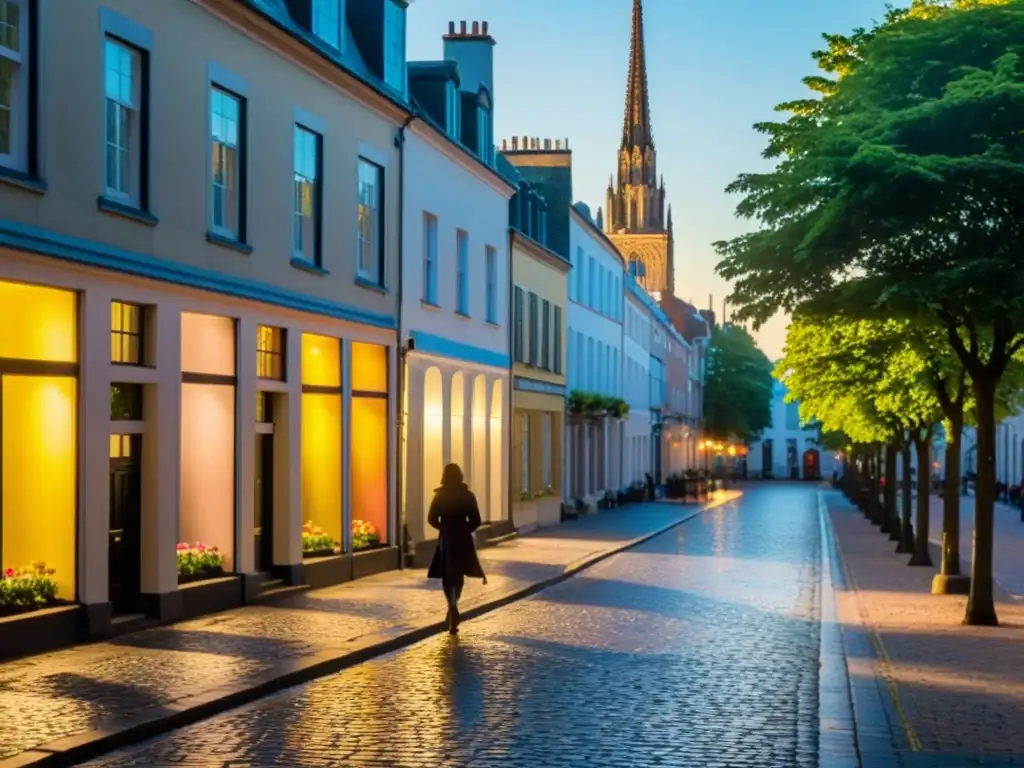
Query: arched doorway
[(812, 464)]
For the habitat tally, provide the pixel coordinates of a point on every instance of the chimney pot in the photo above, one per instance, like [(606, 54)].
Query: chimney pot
[(558, 143), (451, 27), (483, 27), (504, 144), (515, 142), (547, 143), (476, 27), (462, 27)]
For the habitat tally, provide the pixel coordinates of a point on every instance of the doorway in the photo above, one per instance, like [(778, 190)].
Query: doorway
[(125, 544), (812, 464), (263, 523)]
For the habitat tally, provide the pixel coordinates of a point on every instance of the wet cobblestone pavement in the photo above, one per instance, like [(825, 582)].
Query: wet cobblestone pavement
[(699, 648), (107, 685)]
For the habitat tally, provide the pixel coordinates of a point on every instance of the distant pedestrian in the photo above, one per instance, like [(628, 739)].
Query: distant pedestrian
[(455, 514)]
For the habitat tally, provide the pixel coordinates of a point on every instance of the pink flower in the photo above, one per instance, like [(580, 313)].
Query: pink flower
[(9, 573)]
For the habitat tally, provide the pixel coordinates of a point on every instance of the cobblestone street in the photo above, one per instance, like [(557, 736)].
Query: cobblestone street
[(699, 648)]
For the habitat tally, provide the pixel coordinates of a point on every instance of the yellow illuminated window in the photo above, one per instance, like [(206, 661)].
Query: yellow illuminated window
[(38, 323), (270, 352), (125, 333), (369, 367), (321, 361), (120, 446)]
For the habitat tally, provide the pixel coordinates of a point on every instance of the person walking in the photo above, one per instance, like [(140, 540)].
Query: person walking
[(455, 514)]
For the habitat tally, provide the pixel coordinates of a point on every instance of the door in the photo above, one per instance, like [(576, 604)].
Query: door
[(264, 523), (125, 546), (812, 464)]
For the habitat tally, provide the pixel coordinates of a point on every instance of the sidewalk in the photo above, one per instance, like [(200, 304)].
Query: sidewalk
[(949, 693), (62, 707), (1008, 557)]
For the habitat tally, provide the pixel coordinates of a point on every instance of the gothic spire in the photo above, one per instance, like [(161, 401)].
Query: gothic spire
[(636, 125)]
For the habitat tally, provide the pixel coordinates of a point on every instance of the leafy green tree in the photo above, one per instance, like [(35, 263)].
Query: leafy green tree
[(903, 191), (738, 389)]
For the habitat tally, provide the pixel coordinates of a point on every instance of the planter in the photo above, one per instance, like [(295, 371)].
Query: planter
[(6, 613), (31, 632), (526, 516), (210, 595), (212, 573), (379, 559), (549, 511), (328, 570), (319, 553)]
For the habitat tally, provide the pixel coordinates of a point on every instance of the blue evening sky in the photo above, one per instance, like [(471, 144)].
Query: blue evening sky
[(715, 67)]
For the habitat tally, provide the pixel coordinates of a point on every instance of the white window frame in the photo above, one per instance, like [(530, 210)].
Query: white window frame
[(238, 231), (372, 272), (17, 158), (491, 271), (333, 11), (430, 234), (300, 130), (131, 145), (462, 272)]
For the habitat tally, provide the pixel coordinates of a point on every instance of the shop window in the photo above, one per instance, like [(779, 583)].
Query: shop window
[(321, 361), (270, 353), (321, 446), (38, 323), (125, 333), (369, 368), (369, 448), (126, 402)]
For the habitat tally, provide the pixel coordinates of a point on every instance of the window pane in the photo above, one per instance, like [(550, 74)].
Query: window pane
[(10, 23)]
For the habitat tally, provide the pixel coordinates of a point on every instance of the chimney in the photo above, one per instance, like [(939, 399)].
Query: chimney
[(462, 28)]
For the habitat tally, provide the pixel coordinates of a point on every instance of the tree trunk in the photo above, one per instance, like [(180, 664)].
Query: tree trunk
[(906, 544), (892, 513), (875, 508), (981, 609), (951, 502), (920, 554)]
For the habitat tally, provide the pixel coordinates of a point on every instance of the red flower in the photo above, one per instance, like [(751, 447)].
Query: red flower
[(9, 573)]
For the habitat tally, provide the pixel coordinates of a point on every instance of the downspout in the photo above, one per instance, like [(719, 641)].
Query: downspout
[(400, 389), (509, 331)]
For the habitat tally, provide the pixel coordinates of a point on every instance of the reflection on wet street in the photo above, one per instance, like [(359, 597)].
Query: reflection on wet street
[(699, 648)]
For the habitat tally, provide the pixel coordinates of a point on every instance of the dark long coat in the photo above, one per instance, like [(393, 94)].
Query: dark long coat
[(455, 514)]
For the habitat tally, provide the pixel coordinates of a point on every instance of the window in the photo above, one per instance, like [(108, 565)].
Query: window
[(306, 208), (545, 338), (491, 266), (591, 284), (126, 402), (792, 416), (328, 18), (124, 122), (485, 143), (557, 363), (581, 269), (534, 328), (370, 223), (462, 272), (14, 84), (452, 109), (125, 333), (394, 45), (545, 451), (517, 324), (524, 452), (226, 136), (270, 352), (430, 259)]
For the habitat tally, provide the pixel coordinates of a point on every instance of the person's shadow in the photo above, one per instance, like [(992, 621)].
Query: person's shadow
[(463, 683)]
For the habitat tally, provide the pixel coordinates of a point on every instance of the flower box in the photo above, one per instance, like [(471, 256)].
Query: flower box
[(197, 562), (316, 543), (32, 588), (364, 536)]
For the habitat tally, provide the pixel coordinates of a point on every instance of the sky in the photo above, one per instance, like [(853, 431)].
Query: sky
[(715, 67)]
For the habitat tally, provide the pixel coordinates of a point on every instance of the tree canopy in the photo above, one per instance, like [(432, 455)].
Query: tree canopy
[(738, 389)]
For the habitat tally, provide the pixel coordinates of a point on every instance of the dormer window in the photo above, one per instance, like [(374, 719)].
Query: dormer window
[(484, 133), (328, 18), (394, 45), (452, 109)]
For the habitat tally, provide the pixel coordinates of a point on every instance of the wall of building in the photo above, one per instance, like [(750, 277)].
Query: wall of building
[(790, 444)]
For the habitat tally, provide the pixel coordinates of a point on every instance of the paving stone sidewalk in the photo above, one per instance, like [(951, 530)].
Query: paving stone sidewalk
[(59, 701), (955, 694)]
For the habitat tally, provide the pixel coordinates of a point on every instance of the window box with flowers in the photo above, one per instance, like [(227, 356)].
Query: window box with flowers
[(316, 543), (364, 536), (32, 588), (198, 562)]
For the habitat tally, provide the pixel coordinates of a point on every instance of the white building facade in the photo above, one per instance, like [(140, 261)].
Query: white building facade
[(787, 450), (593, 449), (636, 384), (455, 303)]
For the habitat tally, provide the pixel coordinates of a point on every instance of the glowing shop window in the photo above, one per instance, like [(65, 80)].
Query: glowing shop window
[(270, 352), (321, 462), (207, 344), (369, 470), (38, 323), (120, 446), (321, 361), (369, 367), (125, 333), (38, 503), (433, 427)]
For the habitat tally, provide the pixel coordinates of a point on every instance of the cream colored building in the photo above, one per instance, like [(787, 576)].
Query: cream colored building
[(198, 263)]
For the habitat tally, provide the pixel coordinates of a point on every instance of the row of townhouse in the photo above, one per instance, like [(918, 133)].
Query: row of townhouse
[(242, 331)]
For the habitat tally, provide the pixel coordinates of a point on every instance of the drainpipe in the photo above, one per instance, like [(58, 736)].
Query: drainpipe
[(509, 332), (400, 389)]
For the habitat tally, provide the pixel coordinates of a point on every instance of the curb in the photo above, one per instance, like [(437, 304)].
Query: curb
[(78, 748)]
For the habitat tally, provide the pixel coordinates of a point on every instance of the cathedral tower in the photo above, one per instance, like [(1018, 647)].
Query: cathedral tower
[(636, 218)]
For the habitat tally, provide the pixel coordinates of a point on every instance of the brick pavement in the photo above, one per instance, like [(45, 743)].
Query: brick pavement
[(698, 649), (59, 700), (955, 693)]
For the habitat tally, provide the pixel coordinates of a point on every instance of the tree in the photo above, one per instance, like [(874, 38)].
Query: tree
[(738, 390), (903, 192)]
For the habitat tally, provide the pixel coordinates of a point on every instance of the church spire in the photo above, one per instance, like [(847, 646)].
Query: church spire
[(636, 125)]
